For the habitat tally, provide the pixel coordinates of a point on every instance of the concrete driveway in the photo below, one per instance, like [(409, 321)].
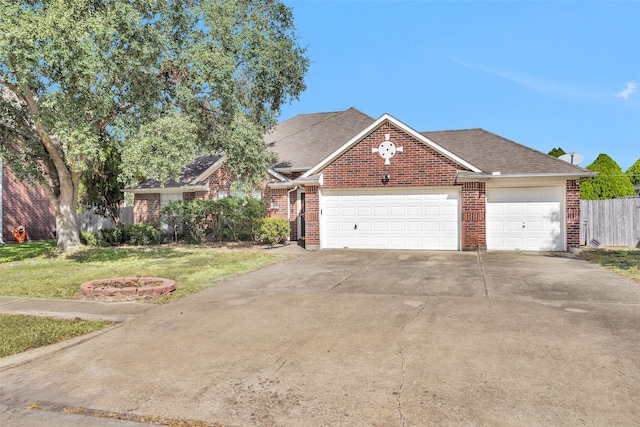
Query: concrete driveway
[(367, 338)]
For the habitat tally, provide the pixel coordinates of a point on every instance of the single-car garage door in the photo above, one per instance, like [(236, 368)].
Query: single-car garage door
[(390, 219), (528, 219)]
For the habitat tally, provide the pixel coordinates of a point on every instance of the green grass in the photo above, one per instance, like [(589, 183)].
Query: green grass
[(624, 262), (17, 252), (192, 267), (22, 333)]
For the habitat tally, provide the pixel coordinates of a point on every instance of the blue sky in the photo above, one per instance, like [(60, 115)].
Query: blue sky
[(544, 74)]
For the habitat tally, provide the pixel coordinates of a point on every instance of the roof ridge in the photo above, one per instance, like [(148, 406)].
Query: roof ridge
[(451, 130), (330, 115)]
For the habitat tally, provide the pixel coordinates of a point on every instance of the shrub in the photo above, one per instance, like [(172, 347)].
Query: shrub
[(226, 219), (271, 231), (110, 236), (142, 234), (88, 238)]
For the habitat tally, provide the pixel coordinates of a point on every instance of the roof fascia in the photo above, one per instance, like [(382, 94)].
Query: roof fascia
[(402, 126), (166, 190), (291, 170), (211, 169), (467, 177), (279, 176)]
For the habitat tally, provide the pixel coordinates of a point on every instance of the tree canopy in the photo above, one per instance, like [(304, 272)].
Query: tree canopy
[(155, 81), (557, 152), (610, 183), (634, 172)]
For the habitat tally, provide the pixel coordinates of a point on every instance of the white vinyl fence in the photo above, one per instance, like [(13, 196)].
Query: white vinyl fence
[(614, 222), (90, 221)]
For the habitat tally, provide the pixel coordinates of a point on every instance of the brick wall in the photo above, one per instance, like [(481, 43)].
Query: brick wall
[(220, 180), (573, 213), (418, 165), (27, 206), (146, 208), (474, 224), (312, 218)]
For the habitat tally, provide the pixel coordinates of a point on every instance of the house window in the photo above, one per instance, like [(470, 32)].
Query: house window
[(222, 194), (274, 205), (165, 198)]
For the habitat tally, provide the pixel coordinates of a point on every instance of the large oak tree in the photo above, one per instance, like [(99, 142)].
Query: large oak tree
[(158, 81)]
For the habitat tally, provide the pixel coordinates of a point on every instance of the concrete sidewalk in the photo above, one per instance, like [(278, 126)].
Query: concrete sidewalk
[(74, 309)]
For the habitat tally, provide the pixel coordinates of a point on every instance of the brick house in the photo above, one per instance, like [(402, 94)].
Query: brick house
[(346, 180), (21, 204)]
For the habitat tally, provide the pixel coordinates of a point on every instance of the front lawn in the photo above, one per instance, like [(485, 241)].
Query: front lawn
[(22, 333), (192, 267), (624, 262), (17, 252)]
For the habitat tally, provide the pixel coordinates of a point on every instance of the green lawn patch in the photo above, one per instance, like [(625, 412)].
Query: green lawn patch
[(22, 333), (17, 252), (624, 262), (192, 267)]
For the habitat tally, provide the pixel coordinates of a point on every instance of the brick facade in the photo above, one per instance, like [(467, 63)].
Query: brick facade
[(474, 225), (573, 213), (312, 218), (417, 166), (27, 206), (146, 208)]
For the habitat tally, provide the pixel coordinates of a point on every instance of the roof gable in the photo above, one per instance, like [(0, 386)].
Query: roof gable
[(388, 118), (193, 175)]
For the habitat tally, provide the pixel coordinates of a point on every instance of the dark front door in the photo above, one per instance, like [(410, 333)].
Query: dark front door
[(302, 234)]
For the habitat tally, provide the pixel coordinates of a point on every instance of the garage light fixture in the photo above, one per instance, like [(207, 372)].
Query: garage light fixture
[(385, 178)]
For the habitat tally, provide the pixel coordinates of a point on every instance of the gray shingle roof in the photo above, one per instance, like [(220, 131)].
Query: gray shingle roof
[(493, 153), (304, 140), (192, 171)]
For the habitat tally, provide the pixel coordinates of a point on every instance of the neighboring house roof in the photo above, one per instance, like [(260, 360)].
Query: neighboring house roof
[(303, 141), (193, 177)]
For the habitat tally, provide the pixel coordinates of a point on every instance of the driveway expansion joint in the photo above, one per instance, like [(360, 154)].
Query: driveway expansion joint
[(484, 278), (403, 362), (353, 273)]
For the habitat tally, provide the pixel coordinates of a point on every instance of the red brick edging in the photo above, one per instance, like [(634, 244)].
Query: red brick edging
[(100, 287)]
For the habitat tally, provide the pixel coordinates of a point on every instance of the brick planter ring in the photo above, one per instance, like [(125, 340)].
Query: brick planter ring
[(130, 287)]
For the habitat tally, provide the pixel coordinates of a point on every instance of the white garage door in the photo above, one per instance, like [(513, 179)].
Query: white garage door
[(394, 219), (528, 219)]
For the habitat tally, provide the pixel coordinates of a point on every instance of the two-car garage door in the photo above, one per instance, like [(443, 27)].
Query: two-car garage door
[(392, 219)]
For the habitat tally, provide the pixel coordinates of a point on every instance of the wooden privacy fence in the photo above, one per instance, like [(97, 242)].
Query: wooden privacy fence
[(90, 221), (614, 222)]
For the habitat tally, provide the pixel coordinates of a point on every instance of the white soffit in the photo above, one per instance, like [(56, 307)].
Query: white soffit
[(366, 131)]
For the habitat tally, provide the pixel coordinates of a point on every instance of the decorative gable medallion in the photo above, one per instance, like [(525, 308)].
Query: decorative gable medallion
[(387, 149)]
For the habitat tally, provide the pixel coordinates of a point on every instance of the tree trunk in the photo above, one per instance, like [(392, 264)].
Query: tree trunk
[(68, 230)]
